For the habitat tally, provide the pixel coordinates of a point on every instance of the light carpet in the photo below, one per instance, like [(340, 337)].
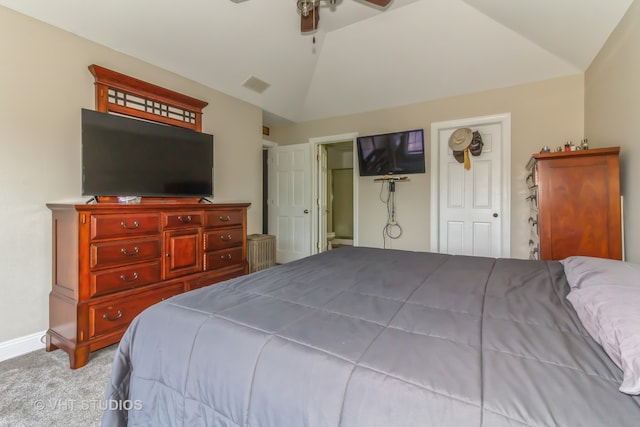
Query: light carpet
[(39, 389)]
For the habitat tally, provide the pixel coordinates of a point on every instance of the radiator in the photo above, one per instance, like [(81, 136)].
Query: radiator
[(261, 251)]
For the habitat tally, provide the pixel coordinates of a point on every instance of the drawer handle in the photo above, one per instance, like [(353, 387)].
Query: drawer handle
[(227, 238), (184, 219), (228, 256), (531, 197), (124, 278), (112, 319), (136, 250), (135, 225), (532, 221), (224, 218)]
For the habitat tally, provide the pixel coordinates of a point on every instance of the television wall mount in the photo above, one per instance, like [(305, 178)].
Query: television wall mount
[(391, 180)]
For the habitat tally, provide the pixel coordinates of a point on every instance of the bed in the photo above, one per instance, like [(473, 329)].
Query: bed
[(370, 337)]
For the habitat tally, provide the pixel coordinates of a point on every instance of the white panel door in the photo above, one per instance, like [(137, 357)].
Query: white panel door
[(289, 201), (470, 200)]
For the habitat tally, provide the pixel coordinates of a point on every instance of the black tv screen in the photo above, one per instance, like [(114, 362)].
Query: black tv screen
[(391, 153), (123, 156)]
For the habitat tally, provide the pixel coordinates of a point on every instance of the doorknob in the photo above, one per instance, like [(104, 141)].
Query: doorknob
[(495, 215), (306, 211)]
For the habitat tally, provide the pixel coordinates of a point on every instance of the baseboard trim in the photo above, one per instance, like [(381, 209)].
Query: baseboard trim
[(339, 241), (19, 346)]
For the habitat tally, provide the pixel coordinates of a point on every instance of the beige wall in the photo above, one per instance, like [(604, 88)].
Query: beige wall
[(543, 113), (612, 114), (44, 82)]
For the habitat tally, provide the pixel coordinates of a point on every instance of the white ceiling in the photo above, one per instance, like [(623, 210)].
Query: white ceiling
[(364, 58)]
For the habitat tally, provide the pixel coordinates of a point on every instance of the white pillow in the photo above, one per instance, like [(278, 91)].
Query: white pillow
[(611, 315), (605, 294), (583, 271)]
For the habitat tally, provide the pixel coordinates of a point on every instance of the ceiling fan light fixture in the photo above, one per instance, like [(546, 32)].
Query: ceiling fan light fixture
[(306, 6), (310, 11)]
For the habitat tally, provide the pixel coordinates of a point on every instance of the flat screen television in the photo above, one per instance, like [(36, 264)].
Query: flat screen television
[(122, 156), (391, 153)]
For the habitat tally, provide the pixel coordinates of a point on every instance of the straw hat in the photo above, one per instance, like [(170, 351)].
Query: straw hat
[(460, 139)]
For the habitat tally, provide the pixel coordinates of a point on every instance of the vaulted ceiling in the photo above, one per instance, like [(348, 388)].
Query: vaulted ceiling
[(361, 58)]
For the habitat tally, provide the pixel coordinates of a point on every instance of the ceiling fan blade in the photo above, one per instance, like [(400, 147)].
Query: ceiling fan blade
[(310, 23), (381, 3)]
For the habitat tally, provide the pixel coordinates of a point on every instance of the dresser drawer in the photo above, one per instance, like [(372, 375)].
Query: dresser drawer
[(122, 252), (223, 258), (118, 314), (223, 218), (118, 279), (113, 226), (221, 239), (182, 219)]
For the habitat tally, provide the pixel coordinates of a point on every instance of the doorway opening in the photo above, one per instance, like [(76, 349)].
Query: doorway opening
[(265, 184), (335, 192), (339, 194)]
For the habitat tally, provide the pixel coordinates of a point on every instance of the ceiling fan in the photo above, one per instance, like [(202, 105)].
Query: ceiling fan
[(310, 12)]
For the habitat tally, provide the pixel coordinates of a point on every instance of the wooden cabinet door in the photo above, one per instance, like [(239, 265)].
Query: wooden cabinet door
[(182, 252), (579, 207)]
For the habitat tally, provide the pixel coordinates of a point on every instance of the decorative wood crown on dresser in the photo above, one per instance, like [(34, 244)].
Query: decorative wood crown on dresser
[(126, 95), (112, 261)]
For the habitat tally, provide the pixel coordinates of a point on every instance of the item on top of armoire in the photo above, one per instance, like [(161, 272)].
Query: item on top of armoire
[(575, 204)]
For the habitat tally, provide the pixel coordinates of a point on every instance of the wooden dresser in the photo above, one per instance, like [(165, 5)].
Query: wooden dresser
[(575, 204), (111, 261)]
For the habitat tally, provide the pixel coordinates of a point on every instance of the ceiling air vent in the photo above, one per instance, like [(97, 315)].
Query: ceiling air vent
[(255, 84)]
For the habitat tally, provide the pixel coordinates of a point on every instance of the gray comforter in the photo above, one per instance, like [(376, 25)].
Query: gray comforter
[(370, 337)]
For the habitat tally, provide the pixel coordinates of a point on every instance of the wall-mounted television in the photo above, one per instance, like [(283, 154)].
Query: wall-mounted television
[(391, 153), (122, 156)]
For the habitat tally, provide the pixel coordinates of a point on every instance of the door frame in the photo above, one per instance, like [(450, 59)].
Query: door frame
[(315, 176), (266, 145), (505, 120)]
